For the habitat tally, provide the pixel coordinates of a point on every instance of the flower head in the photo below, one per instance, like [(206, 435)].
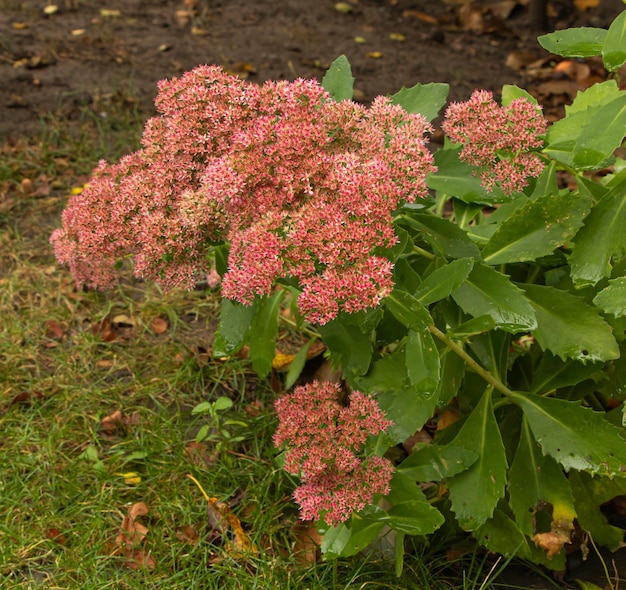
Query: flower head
[(323, 439), (299, 185), (499, 139)]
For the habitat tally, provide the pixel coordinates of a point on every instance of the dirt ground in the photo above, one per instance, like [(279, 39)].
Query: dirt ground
[(60, 56)]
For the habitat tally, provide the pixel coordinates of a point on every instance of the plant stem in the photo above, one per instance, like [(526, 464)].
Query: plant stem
[(473, 365), (424, 253)]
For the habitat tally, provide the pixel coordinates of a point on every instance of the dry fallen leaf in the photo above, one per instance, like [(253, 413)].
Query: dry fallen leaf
[(421, 16), (133, 532), (307, 543), (55, 535), (551, 542), (583, 5), (158, 326), (225, 525), (187, 534), (113, 422), (447, 418)]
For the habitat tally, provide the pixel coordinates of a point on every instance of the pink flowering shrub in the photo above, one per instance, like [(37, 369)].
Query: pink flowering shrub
[(498, 138), (323, 439), (299, 185)]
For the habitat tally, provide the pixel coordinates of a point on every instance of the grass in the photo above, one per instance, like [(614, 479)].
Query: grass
[(96, 416)]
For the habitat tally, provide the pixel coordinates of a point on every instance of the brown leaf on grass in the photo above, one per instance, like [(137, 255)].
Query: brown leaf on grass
[(117, 423), (131, 537), (187, 534), (113, 423), (54, 333), (254, 409), (54, 330), (199, 454), (24, 397), (224, 525), (307, 543), (159, 326), (55, 535), (103, 330)]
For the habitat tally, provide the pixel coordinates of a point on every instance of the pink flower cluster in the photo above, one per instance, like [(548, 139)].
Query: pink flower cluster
[(500, 139), (323, 439), (299, 185)]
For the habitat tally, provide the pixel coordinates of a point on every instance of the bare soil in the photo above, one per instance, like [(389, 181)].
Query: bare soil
[(84, 52)]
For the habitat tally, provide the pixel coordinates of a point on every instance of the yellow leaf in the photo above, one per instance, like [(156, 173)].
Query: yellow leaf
[(397, 37), (374, 55), (280, 361), (583, 5), (130, 478), (109, 13)]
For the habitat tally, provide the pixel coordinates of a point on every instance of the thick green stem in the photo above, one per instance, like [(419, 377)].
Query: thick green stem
[(473, 365)]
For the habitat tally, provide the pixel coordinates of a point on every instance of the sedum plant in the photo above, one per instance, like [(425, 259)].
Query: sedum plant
[(465, 290)]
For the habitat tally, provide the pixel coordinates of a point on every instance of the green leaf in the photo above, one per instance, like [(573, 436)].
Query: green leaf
[(222, 403), (445, 237), (297, 364), (338, 80), (488, 292), (577, 437), (404, 276), (351, 348), (425, 99), (221, 258), (553, 373), (350, 538), (535, 479), (408, 310), (569, 327), (601, 239), (263, 333), (452, 373), (501, 534), (422, 362), (612, 299), (588, 585), (614, 48), (408, 409), (594, 96), (475, 492), (578, 42), (575, 141), (472, 327), (443, 281), (589, 494), (202, 408), (537, 228), (434, 463), (235, 319), (414, 518), (455, 178), (511, 92), (492, 351)]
